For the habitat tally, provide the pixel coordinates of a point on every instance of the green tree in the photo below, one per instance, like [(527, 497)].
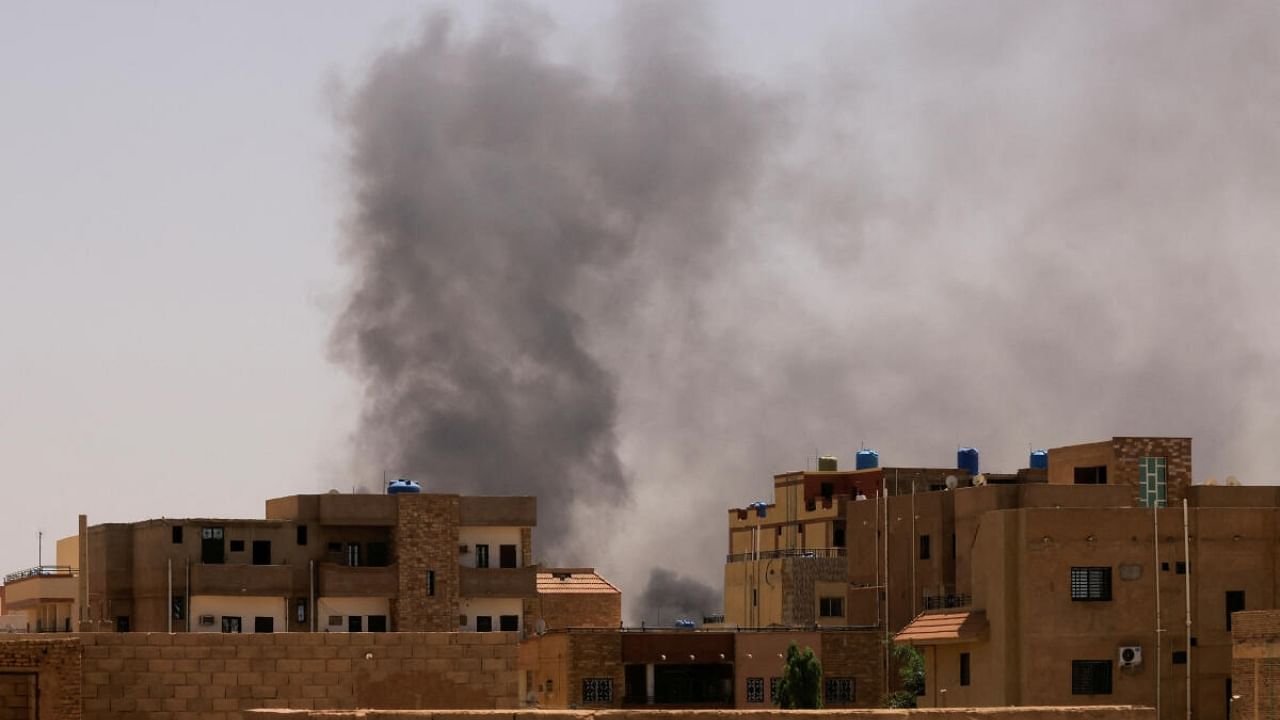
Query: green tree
[(801, 685), (910, 664)]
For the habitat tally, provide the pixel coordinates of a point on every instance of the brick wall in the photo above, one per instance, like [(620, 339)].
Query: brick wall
[(219, 676), (580, 610), (426, 539), (1177, 453), (799, 604), (1255, 665), (594, 655), (56, 665), (856, 655), (15, 695)]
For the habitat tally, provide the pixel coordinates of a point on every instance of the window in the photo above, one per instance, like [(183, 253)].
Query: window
[(1151, 473), (1090, 583), (177, 534), (1180, 568), (377, 554), (1179, 657), (1090, 677), (924, 547), (1091, 475), (597, 691), (230, 624), (122, 623), (211, 547), (484, 623), (353, 554), (335, 620), (509, 623), (838, 691), (355, 623), (837, 535), (482, 556), (755, 690), (302, 534), (179, 606), (774, 684), (1235, 603), (431, 583), (964, 668), (753, 597), (377, 623), (264, 624), (953, 545), (237, 546), (507, 556), (261, 552), (335, 547), (301, 605), (827, 490), (831, 607)]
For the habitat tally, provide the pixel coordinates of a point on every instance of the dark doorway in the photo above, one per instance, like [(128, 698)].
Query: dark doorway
[(264, 624), (212, 551), (378, 554), (484, 623), (377, 623), (704, 685), (354, 623), (261, 552), (507, 556)]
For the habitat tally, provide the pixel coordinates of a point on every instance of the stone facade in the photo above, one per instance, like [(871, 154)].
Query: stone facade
[(856, 655), (46, 669), (799, 579), (425, 538), (1255, 665)]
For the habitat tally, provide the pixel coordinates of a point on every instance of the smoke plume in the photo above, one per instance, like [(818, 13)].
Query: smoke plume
[(668, 597), (639, 291)]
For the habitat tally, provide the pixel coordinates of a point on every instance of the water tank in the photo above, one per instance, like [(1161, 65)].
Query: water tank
[(828, 463), (686, 624), (967, 460), (403, 486), (761, 508), (1039, 459), (866, 459)]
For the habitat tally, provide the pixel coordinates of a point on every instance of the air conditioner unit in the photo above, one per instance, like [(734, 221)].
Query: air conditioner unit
[(464, 549), (206, 619), (1130, 656)]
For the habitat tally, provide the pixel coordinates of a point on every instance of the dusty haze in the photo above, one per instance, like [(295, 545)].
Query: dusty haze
[(639, 289)]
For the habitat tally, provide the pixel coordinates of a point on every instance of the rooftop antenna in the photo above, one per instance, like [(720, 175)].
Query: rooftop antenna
[(40, 550)]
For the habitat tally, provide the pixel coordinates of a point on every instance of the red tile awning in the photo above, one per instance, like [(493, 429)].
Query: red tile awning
[(941, 628)]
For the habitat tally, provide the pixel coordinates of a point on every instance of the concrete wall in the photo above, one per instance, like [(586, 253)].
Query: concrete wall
[(219, 676)]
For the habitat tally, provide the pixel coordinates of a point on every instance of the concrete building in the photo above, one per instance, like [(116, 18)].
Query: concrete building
[(576, 598), (669, 669), (407, 562)]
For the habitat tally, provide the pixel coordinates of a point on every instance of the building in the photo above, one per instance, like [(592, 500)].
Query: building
[(1255, 665), (709, 669), (406, 562), (576, 598)]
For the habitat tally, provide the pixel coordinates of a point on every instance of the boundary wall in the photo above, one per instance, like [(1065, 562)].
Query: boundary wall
[(1093, 712)]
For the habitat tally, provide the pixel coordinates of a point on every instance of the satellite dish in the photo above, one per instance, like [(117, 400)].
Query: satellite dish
[(540, 627), (1232, 481), (952, 482), (1211, 481), (979, 480)]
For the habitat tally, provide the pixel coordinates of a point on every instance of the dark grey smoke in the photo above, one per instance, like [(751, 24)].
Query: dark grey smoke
[(504, 203), (669, 596), (992, 224)]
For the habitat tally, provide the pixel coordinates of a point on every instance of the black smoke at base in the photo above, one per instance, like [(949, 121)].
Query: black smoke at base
[(669, 596)]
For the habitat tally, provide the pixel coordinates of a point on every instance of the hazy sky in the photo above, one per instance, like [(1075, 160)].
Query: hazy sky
[(170, 194), (1000, 223)]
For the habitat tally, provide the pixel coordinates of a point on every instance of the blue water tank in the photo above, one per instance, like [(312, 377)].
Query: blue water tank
[(866, 459), (403, 486), (686, 624), (967, 460), (1039, 459), (761, 508)]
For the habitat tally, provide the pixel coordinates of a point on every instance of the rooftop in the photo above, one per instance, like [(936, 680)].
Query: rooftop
[(573, 580)]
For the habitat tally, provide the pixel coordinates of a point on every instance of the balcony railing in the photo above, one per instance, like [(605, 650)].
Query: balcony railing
[(41, 571), (838, 552), (946, 602)]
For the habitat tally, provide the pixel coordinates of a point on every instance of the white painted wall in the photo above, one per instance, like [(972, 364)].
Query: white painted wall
[(493, 536), (493, 607), (245, 608), (345, 607), (13, 623)]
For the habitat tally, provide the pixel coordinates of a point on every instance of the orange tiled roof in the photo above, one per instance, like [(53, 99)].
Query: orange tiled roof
[(577, 580), (935, 628)]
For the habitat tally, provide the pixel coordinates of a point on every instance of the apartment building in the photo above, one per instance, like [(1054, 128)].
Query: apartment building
[(322, 563)]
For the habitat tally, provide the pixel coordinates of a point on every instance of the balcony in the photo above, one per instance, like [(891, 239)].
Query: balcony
[(38, 586), (335, 580), (41, 571), (948, 599), (270, 580), (498, 582), (838, 552)]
